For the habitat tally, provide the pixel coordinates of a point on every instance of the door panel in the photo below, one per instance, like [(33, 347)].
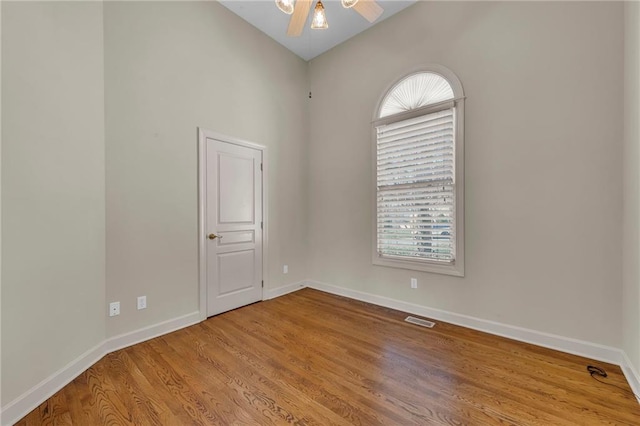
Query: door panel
[(233, 273), (237, 200), (234, 217), (237, 237)]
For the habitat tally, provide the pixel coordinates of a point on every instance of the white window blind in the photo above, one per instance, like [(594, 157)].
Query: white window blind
[(416, 91), (416, 188)]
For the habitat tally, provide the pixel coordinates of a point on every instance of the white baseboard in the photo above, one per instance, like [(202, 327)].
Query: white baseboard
[(147, 333), (565, 344), (25, 403), (552, 341), (282, 290), (632, 375)]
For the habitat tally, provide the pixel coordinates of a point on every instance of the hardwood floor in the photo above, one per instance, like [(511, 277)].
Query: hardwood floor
[(318, 359)]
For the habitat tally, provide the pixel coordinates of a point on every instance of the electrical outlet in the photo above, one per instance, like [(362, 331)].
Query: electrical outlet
[(285, 269), (414, 283), (114, 309), (142, 302)]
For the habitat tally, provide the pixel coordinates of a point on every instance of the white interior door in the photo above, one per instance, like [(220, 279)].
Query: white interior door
[(233, 225)]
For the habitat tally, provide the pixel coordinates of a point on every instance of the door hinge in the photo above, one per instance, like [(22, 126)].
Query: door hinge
[(260, 166), (262, 283), (261, 225)]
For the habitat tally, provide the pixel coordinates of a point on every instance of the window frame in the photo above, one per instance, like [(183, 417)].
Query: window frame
[(456, 268)]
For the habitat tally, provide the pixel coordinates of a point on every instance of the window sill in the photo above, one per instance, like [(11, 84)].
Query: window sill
[(456, 269)]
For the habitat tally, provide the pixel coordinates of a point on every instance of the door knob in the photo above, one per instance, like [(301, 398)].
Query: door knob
[(213, 236)]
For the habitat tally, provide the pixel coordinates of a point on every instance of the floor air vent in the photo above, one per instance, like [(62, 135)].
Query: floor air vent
[(420, 322)]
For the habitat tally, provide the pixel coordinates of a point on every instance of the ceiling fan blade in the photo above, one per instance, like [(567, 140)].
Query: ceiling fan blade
[(299, 17), (369, 9)]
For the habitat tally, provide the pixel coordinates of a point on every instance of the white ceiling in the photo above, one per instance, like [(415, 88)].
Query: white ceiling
[(343, 23)]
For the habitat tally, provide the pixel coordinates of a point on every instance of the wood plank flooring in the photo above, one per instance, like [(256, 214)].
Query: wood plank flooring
[(311, 358)]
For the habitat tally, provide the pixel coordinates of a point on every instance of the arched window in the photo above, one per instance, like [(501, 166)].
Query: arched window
[(419, 212), (415, 91)]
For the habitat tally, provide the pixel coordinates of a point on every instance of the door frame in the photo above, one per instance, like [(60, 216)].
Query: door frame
[(203, 135)]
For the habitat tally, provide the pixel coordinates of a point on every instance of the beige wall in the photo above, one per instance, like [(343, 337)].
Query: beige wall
[(543, 160), (544, 164), (170, 68), (167, 68), (53, 208), (0, 214), (631, 186)]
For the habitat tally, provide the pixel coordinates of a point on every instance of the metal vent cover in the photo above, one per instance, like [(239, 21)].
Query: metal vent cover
[(419, 321)]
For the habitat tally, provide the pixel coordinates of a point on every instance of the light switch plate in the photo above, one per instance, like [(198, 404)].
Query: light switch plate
[(142, 302)]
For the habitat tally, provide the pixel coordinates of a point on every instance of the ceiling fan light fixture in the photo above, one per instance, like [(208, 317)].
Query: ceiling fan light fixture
[(285, 5), (347, 4), (319, 21)]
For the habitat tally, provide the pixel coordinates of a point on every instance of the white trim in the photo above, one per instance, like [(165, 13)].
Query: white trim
[(265, 219), (150, 332), (444, 72), (203, 134), (457, 267), (417, 112), (282, 290), (25, 403), (570, 345), (631, 374), (552, 341), (202, 191)]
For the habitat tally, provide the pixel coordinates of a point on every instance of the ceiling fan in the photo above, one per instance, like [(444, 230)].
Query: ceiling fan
[(369, 9)]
